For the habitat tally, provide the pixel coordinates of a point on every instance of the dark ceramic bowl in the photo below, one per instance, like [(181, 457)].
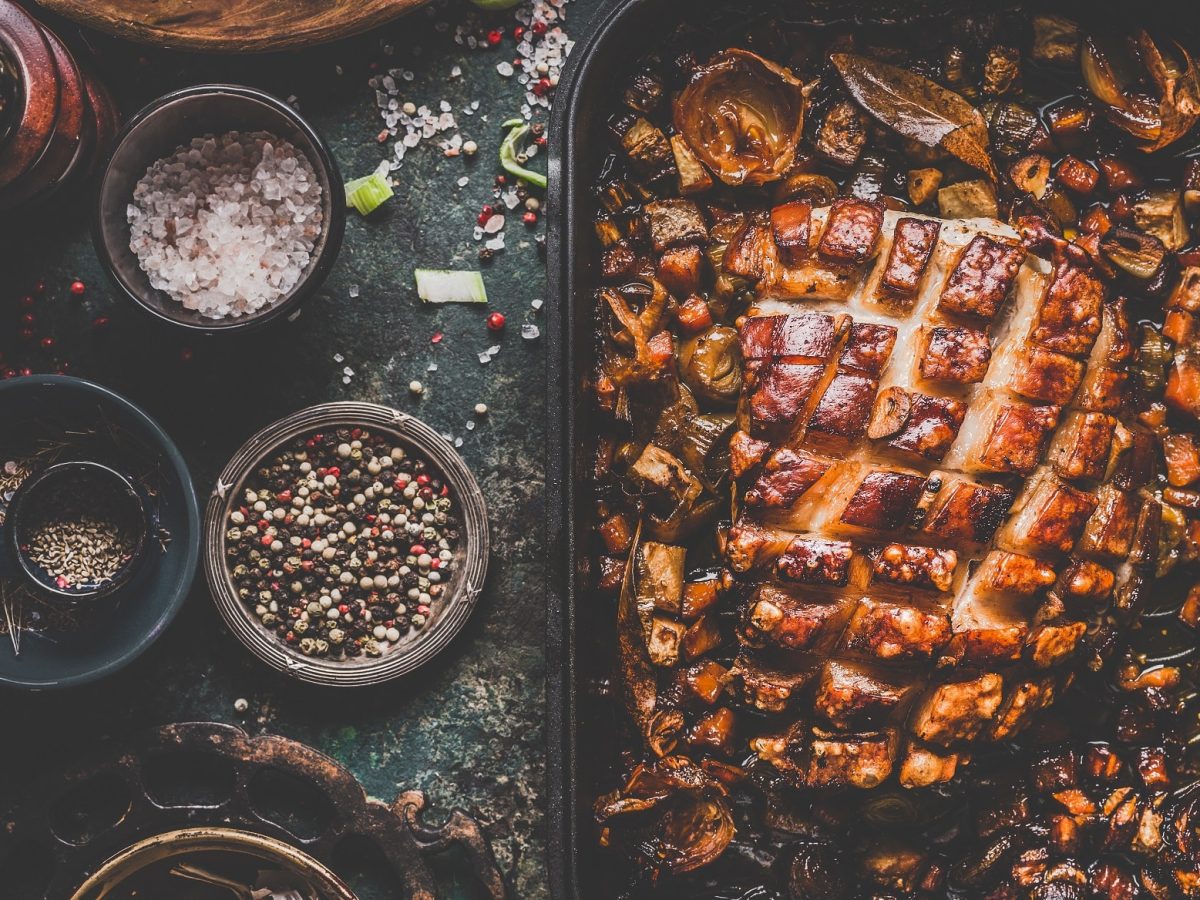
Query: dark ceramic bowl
[(174, 120), (124, 437), (462, 589)]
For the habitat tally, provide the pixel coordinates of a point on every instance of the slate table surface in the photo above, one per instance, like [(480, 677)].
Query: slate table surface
[(469, 728)]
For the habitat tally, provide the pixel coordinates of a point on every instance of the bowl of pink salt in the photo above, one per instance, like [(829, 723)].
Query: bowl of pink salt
[(220, 209)]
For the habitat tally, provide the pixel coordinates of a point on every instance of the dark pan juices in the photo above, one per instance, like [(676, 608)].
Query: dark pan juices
[(892, 510)]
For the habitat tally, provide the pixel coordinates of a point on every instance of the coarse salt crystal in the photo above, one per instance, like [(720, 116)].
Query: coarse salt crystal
[(353, 291), (530, 332)]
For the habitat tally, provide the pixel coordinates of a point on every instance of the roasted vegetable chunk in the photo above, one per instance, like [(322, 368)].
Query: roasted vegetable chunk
[(908, 259), (851, 231), (680, 270), (648, 148), (743, 116), (750, 248), (982, 278), (923, 767), (884, 500), (842, 134), (675, 222), (956, 354)]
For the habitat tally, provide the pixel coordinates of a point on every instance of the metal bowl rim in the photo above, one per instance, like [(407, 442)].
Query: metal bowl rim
[(458, 605), (219, 838)]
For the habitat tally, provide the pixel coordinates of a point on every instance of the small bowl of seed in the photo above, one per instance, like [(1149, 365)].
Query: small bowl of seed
[(220, 209), (346, 544), (78, 530)]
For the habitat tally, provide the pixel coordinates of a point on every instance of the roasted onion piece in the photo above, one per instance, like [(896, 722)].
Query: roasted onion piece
[(742, 116), (687, 821), (711, 365), (660, 728), (1110, 69)]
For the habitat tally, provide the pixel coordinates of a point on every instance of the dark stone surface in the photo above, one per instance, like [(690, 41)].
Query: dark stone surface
[(469, 728)]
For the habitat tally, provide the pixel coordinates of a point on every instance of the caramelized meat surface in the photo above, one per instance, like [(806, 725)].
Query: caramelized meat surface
[(912, 249), (980, 281)]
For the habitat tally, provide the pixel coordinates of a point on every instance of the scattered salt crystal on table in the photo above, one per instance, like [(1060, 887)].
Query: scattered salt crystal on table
[(353, 292), (530, 332), (227, 225)]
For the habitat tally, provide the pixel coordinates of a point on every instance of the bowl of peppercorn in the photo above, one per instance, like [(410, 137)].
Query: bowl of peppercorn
[(346, 544)]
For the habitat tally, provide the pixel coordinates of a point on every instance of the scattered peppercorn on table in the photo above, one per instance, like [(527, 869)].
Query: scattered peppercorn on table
[(468, 727)]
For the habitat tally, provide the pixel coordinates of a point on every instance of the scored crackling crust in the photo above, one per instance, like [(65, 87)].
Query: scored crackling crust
[(928, 501)]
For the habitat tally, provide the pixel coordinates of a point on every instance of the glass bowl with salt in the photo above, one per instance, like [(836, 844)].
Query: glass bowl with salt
[(220, 209)]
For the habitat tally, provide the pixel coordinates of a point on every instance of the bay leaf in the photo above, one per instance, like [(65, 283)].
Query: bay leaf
[(918, 108)]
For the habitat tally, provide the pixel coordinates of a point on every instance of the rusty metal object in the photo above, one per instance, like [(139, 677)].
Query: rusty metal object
[(396, 830)]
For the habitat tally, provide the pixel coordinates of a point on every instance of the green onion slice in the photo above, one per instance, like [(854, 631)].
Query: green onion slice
[(367, 194), (509, 151), (447, 286)]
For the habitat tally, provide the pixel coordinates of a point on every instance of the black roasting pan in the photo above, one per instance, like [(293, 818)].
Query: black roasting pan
[(581, 724)]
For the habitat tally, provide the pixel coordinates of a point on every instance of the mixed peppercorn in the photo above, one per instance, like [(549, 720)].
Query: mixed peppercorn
[(343, 543)]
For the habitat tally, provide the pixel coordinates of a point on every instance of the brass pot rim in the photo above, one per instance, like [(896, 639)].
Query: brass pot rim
[(162, 846)]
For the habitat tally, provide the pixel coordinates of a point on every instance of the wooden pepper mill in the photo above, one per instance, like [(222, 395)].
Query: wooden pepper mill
[(56, 119)]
